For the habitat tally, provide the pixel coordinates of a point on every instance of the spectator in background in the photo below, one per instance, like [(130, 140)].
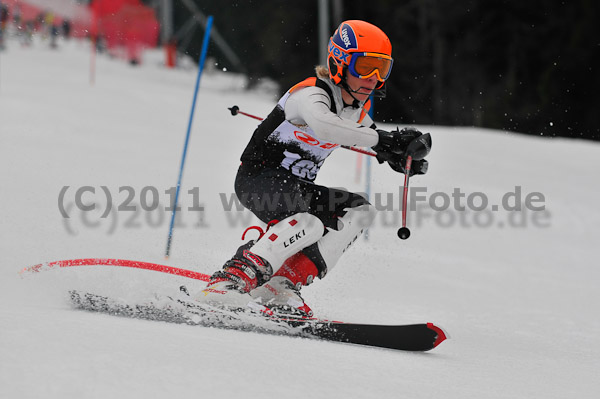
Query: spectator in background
[(17, 16), (17, 21), (4, 16), (48, 23), (39, 21), (27, 33), (66, 28), (54, 32)]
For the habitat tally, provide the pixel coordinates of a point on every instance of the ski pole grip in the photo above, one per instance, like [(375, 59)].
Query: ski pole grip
[(234, 110)]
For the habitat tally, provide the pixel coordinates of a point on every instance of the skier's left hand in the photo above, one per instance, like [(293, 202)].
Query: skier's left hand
[(398, 163)]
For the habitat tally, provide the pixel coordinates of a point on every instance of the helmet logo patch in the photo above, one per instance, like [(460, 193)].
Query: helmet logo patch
[(339, 54), (346, 38)]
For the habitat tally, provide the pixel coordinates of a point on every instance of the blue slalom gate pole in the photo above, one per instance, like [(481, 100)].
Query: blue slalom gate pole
[(205, 44)]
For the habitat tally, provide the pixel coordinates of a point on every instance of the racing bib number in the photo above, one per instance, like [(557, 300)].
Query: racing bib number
[(303, 168)]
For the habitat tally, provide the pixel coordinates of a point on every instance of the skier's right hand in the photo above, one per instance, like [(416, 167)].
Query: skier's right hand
[(396, 141)]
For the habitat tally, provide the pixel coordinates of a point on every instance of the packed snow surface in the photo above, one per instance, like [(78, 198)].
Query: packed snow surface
[(516, 290)]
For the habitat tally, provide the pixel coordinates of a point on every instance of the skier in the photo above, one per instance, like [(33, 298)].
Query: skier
[(309, 226)]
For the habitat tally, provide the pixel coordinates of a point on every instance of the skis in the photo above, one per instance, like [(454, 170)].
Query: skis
[(413, 337)]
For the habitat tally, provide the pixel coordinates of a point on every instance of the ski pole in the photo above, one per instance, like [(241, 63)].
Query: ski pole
[(404, 232), (417, 150), (236, 110)]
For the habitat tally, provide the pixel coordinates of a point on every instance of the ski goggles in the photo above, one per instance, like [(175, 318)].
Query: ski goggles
[(365, 65)]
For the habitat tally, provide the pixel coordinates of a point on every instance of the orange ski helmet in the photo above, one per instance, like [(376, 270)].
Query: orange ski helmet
[(361, 48)]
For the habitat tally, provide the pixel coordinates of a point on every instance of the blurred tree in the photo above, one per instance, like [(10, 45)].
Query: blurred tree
[(526, 66), (274, 38)]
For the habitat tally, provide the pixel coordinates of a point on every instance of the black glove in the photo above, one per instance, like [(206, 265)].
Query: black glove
[(395, 141), (398, 163)]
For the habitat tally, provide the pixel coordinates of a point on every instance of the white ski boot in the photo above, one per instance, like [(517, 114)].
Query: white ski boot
[(281, 296), (281, 293)]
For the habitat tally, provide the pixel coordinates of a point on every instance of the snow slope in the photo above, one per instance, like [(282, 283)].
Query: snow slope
[(517, 292)]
